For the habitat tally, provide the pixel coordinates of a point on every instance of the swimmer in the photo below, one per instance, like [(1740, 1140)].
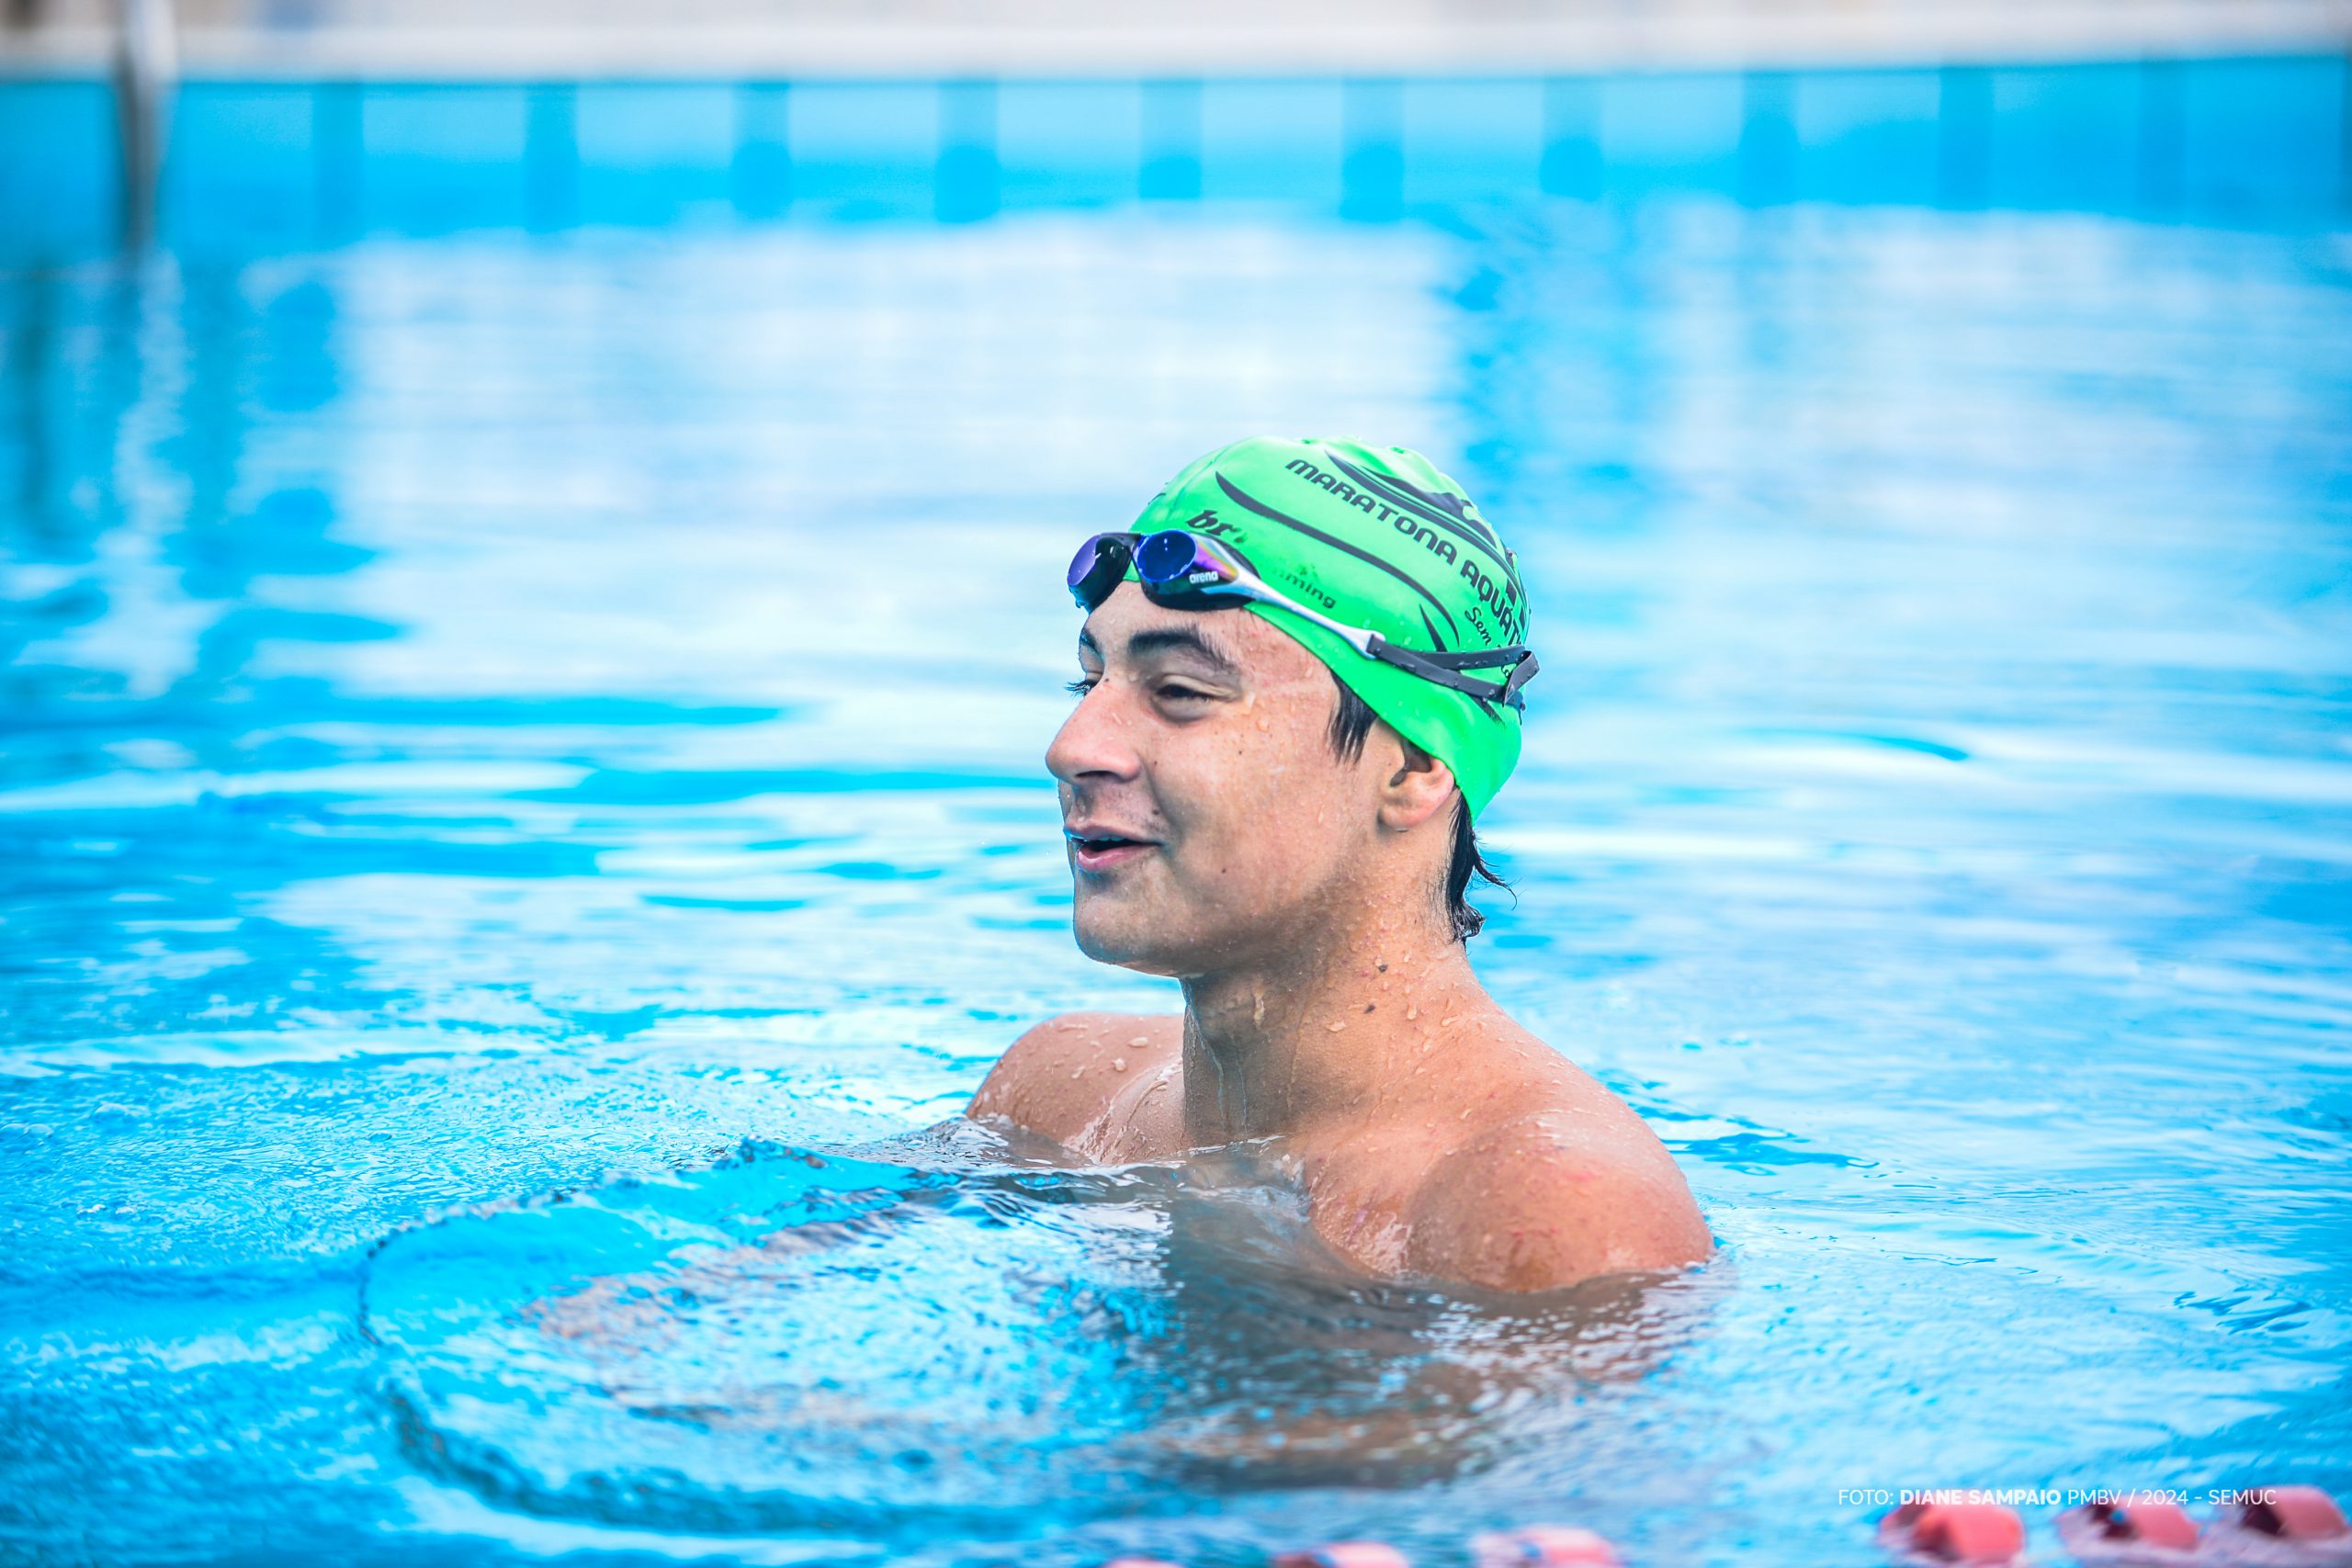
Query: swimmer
[(1302, 681)]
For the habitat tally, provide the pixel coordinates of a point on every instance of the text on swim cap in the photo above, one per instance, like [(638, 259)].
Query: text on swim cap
[(1498, 594)]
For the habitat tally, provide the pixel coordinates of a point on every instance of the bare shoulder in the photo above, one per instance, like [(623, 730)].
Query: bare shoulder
[(1562, 1183), (1061, 1075)]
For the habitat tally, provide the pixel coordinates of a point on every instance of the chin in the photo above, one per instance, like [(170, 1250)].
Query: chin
[(1129, 938), (1110, 942)]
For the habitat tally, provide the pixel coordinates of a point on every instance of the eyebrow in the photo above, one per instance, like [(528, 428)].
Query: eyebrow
[(1164, 640)]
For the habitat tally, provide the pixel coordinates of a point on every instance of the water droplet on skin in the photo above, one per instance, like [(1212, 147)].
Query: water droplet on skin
[(1338, 1024), (1119, 1063), (1140, 1040), (1412, 1009)]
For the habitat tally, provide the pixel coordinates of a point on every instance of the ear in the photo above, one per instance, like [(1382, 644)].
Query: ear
[(1418, 787)]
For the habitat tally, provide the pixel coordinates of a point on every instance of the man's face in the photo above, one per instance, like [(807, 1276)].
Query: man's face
[(1203, 742)]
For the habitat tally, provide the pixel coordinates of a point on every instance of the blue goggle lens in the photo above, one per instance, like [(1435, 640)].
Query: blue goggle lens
[(1168, 556)]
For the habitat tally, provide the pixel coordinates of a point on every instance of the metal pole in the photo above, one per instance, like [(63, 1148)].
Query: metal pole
[(146, 72)]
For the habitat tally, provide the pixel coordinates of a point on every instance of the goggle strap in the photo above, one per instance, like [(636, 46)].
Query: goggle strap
[(1441, 669), (1475, 658)]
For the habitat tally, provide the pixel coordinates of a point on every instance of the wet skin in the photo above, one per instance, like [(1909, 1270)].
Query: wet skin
[(1215, 837)]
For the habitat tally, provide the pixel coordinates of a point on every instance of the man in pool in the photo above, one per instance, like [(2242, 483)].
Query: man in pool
[(1275, 807)]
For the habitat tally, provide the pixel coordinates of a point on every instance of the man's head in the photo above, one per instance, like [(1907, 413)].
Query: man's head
[(1264, 775)]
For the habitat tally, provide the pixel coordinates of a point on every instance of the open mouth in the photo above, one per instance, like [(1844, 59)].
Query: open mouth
[(1096, 850)]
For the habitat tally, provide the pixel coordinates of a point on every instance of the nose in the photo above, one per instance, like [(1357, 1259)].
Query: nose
[(1096, 744)]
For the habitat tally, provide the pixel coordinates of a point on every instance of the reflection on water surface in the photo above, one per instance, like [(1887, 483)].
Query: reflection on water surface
[(936, 1342)]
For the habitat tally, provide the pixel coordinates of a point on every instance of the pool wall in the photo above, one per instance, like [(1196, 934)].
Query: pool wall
[(268, 164)]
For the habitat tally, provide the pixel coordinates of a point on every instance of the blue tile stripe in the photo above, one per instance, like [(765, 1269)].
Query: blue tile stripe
[(264, 165)]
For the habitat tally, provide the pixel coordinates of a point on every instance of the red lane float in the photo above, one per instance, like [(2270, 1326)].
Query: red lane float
[(2275, 1527), (1542, 1545), (2282, 1526), (1932, 1533), (2137, 1534), (1345, 1554)]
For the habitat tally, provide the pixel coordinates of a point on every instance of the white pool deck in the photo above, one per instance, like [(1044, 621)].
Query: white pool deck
[(442, 40)]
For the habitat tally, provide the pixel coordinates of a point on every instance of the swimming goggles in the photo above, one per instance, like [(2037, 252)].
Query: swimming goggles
[(1184, 570)]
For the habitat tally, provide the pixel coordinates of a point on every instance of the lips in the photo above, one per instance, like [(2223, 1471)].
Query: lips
[(1098, 846)]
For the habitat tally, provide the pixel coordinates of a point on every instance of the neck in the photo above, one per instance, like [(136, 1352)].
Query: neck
[(1289, 1040)]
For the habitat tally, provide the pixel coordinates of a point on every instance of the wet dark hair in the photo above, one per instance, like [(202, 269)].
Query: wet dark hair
[(1352, 722)]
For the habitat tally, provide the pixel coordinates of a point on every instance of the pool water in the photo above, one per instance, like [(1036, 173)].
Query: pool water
[(522, 822)]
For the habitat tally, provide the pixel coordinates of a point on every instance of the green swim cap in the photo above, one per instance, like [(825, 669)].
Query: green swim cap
[(1373, 537)]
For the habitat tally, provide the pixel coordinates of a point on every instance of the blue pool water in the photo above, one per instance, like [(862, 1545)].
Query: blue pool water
[(522, 814)]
